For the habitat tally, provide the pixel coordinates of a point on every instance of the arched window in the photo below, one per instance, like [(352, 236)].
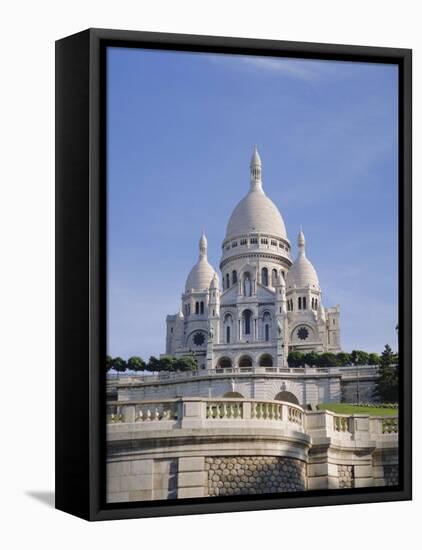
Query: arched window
[(274, 277), (247, 314), (227, 281), (224, 363), (188, 309), (282, 274), (313, 303), (264, 276), (245, 361), (202, 308), (266, 319), (304, 302), (287, 396), (197, 308), (228, 323), (234, 277), (316, 303), (299, 303), (266, 360)]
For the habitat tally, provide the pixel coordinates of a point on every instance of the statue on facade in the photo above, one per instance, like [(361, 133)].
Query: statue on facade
[(210, 332), (247, 286), (279, 328)]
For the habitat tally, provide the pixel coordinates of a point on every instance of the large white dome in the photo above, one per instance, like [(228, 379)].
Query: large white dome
[(202, 273), (302, 273), (256, 213)]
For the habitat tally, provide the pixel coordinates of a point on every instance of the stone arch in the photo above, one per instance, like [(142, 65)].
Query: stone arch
[(245, 361), (287, 396), (266, 360), (224, 363), (233, 394)]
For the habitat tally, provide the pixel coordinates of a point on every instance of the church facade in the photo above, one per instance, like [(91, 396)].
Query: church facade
[(264, 305)]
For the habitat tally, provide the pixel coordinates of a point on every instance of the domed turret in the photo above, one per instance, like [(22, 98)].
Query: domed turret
[(256, 213), (214, 282), (302, 273), (202, 273)]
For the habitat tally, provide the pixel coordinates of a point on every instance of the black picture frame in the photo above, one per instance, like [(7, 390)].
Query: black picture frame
[(81, 261)]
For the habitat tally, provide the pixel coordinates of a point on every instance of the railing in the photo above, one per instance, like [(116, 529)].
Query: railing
[(124, 379), (390, 425), (190, 411), (234, 413), (224, 409), (341, 423), (352, 427)]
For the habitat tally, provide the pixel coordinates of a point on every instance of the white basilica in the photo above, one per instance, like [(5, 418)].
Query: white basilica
[(266, 306)]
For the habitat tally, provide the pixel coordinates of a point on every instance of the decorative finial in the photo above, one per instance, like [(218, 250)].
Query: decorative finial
[(256, 170), (301, 241), (203, 245)]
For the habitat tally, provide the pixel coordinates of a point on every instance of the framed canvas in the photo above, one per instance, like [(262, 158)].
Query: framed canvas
[(233, 274)]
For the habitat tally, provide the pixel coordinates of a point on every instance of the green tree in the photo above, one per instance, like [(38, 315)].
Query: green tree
[(109, 363), (153, 365), (328, 360), (187, 363), (296, 359), (136, 364), (387, 385), (373, 359), (118, 364), (167, 363), (344, 359), (359, 357), (387, 357), (312, 359)]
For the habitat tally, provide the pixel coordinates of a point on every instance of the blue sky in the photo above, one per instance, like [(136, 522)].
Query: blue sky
[(181, 129)]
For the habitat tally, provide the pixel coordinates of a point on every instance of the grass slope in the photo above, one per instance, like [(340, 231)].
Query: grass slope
[(345, 408)]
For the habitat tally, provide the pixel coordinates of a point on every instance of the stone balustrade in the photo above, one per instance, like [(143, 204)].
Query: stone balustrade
[(180, 411), (350, 372)]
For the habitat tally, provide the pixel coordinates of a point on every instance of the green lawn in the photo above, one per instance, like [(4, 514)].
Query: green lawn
[(345, 408)]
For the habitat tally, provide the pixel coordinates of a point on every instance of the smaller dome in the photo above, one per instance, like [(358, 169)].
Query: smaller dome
[(302, 273), (202, 273)]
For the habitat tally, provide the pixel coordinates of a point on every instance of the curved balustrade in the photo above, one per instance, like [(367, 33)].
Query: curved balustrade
[(197, 409)]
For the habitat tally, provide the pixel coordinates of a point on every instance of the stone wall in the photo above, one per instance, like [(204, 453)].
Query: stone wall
[(250, 475)]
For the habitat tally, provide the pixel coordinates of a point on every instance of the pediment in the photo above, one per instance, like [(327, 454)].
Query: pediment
[(265, 294), (230, 295)]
